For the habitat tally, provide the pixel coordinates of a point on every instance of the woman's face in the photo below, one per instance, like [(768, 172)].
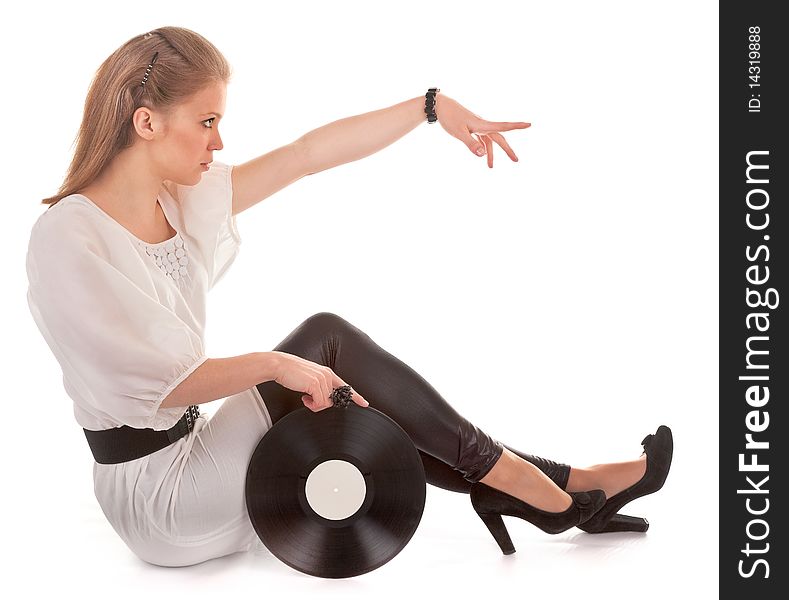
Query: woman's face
[(190, 136)]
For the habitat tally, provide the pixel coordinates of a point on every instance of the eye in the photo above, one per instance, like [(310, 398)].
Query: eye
[(211, 120)]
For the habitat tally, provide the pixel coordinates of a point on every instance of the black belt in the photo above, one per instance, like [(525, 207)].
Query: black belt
[(122, 444)]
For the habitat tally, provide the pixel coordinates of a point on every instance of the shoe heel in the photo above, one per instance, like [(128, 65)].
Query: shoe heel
[(496, 527), (625, 523), (620, 523)]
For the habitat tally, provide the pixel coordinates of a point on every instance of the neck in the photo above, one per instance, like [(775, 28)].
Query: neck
[(129, 188)]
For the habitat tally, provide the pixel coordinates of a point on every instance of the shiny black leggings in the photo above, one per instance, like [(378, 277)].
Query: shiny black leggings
[(454, 452)]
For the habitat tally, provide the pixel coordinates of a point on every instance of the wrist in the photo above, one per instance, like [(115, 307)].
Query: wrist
[(270, 364), (431, 104)]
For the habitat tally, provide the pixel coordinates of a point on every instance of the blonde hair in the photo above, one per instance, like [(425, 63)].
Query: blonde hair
[(186, 64)]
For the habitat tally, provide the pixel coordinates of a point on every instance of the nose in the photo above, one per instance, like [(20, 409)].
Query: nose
[(216, 142)]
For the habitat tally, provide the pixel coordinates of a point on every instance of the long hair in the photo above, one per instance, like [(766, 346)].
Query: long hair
[(186, 64)]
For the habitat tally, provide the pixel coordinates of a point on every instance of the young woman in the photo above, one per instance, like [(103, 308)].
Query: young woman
[(119, 266)]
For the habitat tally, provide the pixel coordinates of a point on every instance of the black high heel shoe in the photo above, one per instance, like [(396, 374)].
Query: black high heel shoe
[(490, 504), (659, 448)]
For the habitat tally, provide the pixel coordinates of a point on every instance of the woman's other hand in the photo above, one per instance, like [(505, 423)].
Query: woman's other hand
[(315, 381), (474, 131)]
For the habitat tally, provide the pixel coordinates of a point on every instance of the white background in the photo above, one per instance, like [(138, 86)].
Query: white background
[(567, 303)]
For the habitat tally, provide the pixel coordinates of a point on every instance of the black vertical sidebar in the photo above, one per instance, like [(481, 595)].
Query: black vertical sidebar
[(754, 227)]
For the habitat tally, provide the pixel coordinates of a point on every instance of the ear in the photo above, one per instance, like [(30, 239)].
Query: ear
[(147, 123)]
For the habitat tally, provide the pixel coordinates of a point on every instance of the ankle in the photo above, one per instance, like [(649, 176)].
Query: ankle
[(521, 479), (612, 478)]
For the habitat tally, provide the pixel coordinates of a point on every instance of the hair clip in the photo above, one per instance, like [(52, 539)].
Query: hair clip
[(148, 70)]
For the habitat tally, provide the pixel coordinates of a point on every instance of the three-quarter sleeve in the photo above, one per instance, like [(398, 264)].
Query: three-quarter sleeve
[(121, 351), (209, 222)]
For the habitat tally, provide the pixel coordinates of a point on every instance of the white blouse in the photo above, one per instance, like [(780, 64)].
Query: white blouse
[(124, 318)]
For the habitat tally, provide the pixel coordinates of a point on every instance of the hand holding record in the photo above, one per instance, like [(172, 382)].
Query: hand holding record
[(316, 381)]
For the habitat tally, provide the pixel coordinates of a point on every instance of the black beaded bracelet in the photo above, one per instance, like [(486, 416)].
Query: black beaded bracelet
[(430, 105)]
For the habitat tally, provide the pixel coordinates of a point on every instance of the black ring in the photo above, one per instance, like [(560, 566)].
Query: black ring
[(341, 396)]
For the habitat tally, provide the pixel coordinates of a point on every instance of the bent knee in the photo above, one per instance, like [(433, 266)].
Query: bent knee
[(326, 322)]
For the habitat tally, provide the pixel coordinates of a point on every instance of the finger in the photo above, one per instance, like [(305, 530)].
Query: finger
[(488, 150), (315, 402), (493, 126), (474, 144), (355, 396), (317, 391), (320, 387), (499, 139), (359, 399), (308, 401), (311, 396), (327, 375)]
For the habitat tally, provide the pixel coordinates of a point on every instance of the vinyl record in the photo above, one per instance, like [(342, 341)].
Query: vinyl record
[(335, 493)]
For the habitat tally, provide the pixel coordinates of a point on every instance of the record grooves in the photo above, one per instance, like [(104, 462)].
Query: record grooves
[(354, 464)]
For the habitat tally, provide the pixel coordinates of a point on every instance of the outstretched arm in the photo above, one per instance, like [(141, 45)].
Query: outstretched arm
[(333, 144), (356, 137)]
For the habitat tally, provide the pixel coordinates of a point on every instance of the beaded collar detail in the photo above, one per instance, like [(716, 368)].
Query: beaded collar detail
[(170, 256)]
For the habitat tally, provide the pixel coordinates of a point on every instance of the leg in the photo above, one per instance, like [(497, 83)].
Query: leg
[(442, 475), (612, 478), (390, 386), (441, 434)]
